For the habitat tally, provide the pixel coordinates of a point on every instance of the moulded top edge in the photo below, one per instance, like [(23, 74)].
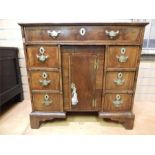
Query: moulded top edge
[(87, 24)]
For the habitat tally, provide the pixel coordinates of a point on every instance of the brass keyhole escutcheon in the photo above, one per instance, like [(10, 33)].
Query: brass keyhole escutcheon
[(46, 100), (122, 57), (117, 101), (44, 82), (42, 57), (119, 80), (82, 31)]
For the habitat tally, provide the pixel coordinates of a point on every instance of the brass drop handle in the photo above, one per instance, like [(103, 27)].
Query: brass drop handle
[(117, 101), (54, 34), (119, 81), (122, 58), (74, 94), (42, 57), (46, 100), (44, 82), (112, 34)]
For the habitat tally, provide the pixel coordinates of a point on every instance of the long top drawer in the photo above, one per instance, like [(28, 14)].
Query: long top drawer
[(84, 32)]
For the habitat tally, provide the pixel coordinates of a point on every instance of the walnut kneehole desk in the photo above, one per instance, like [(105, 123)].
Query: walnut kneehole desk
[(82, 67)]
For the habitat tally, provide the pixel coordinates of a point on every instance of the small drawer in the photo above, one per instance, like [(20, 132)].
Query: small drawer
[(43, 56), (122, 56), (125, 34), (45, 80), (117, 102), (120, 80), (46, 102)]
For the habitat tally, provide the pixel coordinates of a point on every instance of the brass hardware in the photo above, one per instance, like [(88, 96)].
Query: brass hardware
[(74, 94), (53, 34), (94, 103), (96, 64), (45, 82), (123, 50), (112, 34), (73, 85), (122, 58), (82, 31), (44, 75), (42, 57), (47, 100), (119, 80), (117, 101)]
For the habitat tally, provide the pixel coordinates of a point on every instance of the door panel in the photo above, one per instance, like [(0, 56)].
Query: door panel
[(83, 76), (83, 66)]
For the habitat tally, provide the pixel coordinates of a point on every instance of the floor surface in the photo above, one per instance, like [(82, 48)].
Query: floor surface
[(15, 120)]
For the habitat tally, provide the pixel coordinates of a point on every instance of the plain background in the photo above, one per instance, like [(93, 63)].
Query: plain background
[(76, 11)]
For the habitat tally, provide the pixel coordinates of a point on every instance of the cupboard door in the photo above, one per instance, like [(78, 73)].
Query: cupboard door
[(82, 77)]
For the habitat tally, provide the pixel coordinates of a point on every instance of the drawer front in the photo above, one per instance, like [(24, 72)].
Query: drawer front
[(45, 80), (122, 56), (47, 102), (117, 102), (120, 80), (43, 56), (71, 33)]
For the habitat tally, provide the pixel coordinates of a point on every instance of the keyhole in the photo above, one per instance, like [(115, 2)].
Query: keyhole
[(123, 50), (44, 75), (46, 97), (41, 50), (82, 31), (118, 97), (120, 75)]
